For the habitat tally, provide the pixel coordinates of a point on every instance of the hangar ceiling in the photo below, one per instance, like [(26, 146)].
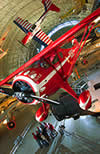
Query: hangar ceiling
[(31, 10)]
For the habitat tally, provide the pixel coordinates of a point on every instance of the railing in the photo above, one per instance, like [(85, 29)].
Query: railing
[(19, 139), (76, 84)]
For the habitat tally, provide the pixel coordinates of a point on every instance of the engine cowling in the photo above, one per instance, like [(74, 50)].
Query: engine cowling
[(85, 100), (25, 83)]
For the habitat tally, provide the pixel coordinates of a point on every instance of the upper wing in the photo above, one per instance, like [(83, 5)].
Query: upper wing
[(91, 19), (23, 24)]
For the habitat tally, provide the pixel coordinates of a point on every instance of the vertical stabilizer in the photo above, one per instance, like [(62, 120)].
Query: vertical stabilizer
[(48, 5)]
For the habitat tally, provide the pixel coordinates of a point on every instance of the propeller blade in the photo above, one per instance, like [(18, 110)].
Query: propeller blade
[(7, 91), (45, 100), (21, 95)]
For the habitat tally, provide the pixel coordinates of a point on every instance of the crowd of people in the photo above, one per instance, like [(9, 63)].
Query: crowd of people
[(44, 134)]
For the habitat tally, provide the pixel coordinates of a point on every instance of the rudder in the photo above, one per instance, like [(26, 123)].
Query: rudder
[(48, 5)]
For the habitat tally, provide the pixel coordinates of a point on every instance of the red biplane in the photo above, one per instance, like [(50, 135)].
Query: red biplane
[(53, 67)]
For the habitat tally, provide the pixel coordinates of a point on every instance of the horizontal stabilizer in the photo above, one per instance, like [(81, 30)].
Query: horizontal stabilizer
[(42, 38), (23, 24)]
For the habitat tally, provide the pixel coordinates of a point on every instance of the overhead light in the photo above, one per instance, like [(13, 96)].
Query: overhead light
[(5, 121)]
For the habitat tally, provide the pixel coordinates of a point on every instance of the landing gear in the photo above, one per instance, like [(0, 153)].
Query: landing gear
[(11, 125)]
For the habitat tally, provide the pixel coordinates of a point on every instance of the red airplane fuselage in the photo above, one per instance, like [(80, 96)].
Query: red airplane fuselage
[(45, 79)]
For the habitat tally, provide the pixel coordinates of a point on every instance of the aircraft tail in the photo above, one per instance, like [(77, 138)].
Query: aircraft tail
[(48, 5)]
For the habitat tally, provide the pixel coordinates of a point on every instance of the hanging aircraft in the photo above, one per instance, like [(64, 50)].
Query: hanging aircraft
[(52, 68), (2, 39), (7, 104), (33, 31)]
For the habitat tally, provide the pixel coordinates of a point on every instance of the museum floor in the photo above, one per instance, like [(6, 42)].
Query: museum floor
[(81, 136)]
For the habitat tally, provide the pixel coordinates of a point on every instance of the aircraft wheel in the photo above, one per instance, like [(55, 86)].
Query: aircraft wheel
[(11, 125)]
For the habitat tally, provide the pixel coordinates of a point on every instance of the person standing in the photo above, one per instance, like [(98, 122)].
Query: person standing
[(44, 127), (53, 132), (38, 139), (44, 140)]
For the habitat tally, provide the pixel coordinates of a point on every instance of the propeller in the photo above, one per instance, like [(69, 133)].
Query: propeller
[(23, 95), (7, 91), (45, 100), (66, 107)]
